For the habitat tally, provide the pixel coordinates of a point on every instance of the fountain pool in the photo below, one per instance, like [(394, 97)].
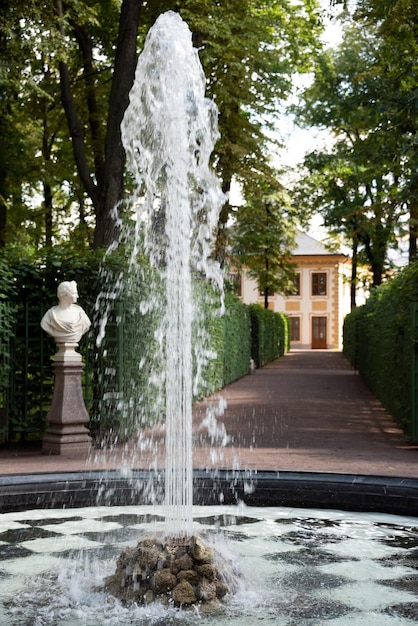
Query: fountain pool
[(300, 566)]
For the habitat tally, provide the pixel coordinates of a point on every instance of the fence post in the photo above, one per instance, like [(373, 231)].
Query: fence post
[(6, 331), (120, 354), (414, 372)]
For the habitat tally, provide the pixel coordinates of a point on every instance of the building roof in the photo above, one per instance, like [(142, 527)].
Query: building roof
[(307, 245)]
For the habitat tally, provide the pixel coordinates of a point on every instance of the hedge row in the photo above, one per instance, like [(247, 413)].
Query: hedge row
[(270, 337), (379, 341), (116, 391), (236, 340)]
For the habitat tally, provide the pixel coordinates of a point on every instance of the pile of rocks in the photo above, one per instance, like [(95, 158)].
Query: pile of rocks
[(176, 572)]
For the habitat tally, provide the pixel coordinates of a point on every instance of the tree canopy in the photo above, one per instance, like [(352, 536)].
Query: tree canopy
[(365, 93), (67, 68)]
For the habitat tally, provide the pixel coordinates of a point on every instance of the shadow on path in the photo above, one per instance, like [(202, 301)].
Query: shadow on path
[(310, 411)]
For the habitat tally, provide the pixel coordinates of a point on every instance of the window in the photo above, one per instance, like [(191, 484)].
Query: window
[(295, 329), (319, 284)]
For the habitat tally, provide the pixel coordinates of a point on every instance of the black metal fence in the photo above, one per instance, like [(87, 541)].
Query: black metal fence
[(26, 378), (414, 373), (6, 333), (115, 389)]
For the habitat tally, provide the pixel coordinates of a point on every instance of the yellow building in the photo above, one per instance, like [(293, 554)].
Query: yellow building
[(321, 299)]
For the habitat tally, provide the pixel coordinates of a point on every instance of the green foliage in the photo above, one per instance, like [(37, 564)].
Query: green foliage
[(208, 339), (269, 334), (249, 51), (379, 341), (355, 185), (119, 369), (211, 377), (55, 191), (364, 92), (350, 335), (262, 239), (228, 346), (237, 339)]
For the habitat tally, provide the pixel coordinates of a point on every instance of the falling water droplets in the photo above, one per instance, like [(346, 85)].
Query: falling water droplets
[(169, 130)]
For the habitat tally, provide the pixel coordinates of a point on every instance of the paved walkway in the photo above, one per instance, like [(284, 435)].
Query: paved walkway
[(308, 411)]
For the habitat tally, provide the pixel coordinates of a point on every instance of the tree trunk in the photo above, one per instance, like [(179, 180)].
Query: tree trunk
[(48, 203), (86, 46), (221, 243), (266, 289), (413, 225), (376, 254), (112, 172), (105, 188), (47, 143), (353, 284), (266, 298), (3, 221)]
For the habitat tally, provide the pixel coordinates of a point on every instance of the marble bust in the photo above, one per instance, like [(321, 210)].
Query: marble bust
[(66, 322)]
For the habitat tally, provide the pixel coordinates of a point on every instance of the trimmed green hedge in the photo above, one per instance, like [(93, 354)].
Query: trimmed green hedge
[(379, 341), (269, 334), (236, 340), (117, 394)]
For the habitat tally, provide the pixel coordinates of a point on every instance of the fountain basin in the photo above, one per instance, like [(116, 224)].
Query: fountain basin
[(350, 492), (298, 566)]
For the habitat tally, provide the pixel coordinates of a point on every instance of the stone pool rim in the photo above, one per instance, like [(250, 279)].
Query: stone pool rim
[(77, 489)]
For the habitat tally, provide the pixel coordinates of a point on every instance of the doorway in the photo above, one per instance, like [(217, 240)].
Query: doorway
[(319, 333)]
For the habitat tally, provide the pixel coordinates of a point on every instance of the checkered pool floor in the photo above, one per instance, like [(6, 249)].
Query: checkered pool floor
[(300, 567)]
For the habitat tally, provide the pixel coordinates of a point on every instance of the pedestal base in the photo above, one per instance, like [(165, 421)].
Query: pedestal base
[(66, 445), (67, 417)]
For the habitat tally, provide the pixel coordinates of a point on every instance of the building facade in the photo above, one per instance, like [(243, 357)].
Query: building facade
[(321, 297)]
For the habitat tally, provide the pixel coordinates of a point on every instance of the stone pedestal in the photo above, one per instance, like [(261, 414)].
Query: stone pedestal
[(67, 417)]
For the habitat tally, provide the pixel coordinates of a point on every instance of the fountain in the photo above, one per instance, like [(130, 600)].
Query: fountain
[(168, 131)]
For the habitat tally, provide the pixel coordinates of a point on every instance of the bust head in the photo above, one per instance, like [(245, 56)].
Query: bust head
[(67, 292), (66, 322)]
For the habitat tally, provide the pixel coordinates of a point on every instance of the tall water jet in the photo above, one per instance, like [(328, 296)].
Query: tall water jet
[(168, 131)]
